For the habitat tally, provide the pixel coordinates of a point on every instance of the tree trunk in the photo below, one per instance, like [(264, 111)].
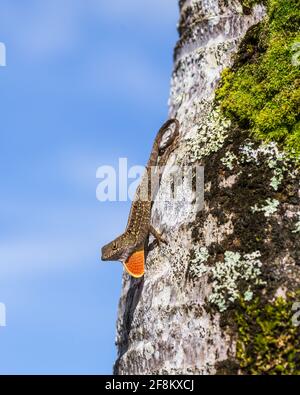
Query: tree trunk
[(198, 305)]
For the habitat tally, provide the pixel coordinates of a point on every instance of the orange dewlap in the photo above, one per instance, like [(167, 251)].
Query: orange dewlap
[(135, 264)]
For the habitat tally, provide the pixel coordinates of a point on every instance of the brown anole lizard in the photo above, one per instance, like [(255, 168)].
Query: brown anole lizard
[(129, 248)]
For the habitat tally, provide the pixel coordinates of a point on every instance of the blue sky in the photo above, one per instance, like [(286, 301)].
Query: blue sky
[(86, 82)]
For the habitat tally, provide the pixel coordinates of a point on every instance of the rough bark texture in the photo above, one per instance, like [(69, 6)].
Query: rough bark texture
[(180, 319)]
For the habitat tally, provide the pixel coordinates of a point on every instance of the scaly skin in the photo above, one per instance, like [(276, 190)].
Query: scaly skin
[(139, 220)]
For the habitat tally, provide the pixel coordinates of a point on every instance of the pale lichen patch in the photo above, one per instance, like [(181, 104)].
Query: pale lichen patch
[(198, 265), (269, 208), (277, 160), (209, 136), (228, 275), (229, 160)]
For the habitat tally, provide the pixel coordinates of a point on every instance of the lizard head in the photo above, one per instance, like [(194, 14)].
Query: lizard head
[(132, 259), (115, 250)]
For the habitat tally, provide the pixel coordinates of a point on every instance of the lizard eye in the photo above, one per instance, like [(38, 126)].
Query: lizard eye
[(114, 246)]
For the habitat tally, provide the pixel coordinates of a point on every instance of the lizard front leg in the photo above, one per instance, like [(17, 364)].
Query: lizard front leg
[(158, 236)]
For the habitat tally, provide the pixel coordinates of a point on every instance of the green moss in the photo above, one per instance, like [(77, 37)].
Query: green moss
[(262, 90), (268, 342)]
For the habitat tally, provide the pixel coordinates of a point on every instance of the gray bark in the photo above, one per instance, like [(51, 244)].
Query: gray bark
[(166, 322)]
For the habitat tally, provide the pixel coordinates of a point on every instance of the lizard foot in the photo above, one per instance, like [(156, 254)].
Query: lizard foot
[(158, 236)]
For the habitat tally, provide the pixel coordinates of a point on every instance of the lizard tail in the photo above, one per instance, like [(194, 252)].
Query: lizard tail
[(156, 146)]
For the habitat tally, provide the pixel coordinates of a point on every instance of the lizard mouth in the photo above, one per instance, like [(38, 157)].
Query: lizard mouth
[(104, 257)]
